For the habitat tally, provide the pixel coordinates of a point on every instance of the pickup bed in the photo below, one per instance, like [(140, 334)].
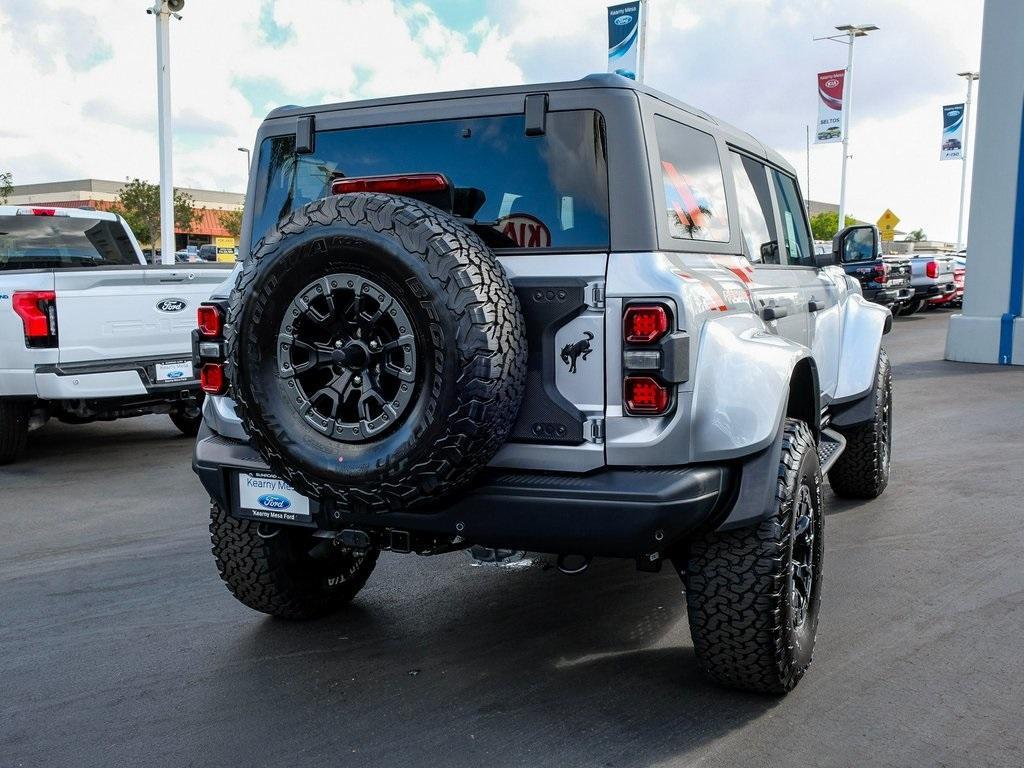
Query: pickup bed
[(933, 280), (87, 329)]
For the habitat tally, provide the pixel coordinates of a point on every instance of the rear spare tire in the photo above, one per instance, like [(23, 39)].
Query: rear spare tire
[(376, 351)]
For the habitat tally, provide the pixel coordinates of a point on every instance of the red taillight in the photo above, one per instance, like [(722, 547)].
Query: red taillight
[(211, 378), (399, 184), (44, 211), (882, 273), (645, 395), (644, 324), (38, 313), (211, 320), (932, 269)]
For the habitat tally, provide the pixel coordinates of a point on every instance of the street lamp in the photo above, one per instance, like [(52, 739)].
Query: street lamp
[(162, 11), (851, 32), (248, 161), (970, 77)]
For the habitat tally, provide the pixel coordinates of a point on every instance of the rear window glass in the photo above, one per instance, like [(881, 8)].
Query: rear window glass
[(548, 191), (43, 242), (692, 180)]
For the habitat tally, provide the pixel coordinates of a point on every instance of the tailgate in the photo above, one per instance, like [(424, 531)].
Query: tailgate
[(130, 312)]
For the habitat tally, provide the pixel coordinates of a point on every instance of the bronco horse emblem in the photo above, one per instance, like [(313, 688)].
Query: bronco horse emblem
[(572, 352)]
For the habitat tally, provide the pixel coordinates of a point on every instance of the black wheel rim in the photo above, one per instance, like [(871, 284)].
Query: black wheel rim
[(802, 558), (348, 353)]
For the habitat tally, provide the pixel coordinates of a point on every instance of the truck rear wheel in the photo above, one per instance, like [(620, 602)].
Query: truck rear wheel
[(187, 417), (13, 430), (753, 594), (376, 351), (270, 569), (862, 472)]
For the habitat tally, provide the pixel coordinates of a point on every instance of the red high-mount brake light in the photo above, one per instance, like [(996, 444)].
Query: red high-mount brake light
[(645, 396), (932, 269), (398, 184), (211, 321), (644, 324), (212, 380), (38, 313)]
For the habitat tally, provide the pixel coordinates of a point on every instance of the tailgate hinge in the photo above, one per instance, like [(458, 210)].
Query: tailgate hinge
[(593, 430), (595, 295)]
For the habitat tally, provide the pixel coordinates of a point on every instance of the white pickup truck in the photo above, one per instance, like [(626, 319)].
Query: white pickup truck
[(88, 330)]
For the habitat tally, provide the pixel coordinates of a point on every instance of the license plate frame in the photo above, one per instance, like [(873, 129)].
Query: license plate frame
[(173, 371), (267, 498)]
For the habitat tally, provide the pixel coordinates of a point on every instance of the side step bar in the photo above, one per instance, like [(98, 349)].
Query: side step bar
[(830, 448)]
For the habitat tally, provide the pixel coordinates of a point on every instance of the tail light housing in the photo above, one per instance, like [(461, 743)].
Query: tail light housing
[(38, 313), (208, 348), (644, 324), (645, 395), (931, 269), (432, 188), (882, 273)]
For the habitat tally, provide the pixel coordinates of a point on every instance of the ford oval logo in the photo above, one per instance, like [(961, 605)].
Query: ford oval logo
[(171, 305), (623, 20), (175, 374), (954, 113), (273, 501)]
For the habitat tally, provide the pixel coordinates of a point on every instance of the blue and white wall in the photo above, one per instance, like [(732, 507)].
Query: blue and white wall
[(991, 329)]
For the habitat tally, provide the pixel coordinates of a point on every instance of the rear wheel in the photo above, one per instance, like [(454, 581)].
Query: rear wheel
[(13, 430), (187, 418), (270, 568), (862, 472), (753, 594)]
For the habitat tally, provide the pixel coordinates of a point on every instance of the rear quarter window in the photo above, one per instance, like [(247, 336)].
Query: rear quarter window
[(547, 191), (692, 182)]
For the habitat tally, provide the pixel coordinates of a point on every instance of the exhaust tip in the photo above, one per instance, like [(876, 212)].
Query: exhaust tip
[(572, 564)]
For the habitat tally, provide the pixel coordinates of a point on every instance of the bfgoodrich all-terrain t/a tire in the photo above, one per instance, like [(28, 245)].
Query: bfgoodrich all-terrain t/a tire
[(376, 351), (862, 472), (269, 568), (753, 594)]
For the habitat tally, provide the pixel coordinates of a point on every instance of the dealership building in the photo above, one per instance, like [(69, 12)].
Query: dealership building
[(101, 195)]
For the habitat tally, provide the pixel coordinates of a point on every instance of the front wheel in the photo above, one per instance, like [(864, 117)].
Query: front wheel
[(270, 568), (753, 594), (862, 472)]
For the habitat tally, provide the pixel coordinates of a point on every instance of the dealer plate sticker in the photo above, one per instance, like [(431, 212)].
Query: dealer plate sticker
[(178, 370), (265, 497)]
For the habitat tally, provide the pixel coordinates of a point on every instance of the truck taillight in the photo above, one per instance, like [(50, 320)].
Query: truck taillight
[(398, 184), (38, 313), (644, 324), (882, 273), (210, 318), (645, 395), (212, 379), (932, 269)]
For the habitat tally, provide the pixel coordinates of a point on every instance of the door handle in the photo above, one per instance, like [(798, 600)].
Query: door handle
[(814, 305), (773, 313)]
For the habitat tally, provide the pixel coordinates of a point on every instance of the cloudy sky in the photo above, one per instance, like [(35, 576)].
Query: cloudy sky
[(78, 94)]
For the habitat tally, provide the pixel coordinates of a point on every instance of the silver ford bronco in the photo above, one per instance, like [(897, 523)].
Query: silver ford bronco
[(582, 319)]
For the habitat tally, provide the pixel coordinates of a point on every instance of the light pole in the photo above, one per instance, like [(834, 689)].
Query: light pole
[(248, 161), (851, 32), (162, 11), (971, 77)]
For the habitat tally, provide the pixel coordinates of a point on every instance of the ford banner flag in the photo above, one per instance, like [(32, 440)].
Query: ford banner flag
[(626, 27), (830, 106), (952, 132)]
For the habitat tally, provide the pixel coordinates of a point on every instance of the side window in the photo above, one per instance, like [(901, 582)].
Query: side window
[(754, 206), (794, 223), (692, 179)]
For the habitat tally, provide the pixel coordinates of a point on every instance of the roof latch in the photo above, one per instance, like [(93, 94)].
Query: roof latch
[(305, 135), (536, 113)]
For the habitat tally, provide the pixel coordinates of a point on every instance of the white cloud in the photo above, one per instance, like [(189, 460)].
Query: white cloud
[(78, 91)]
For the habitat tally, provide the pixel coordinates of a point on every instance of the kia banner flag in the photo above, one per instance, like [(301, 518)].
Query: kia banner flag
[(626, 27), (830, 106), (952, 132)]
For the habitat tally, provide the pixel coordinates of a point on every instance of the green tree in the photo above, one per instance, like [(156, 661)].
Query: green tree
[(232, 220), (917, 235), (6, 186), (139, 203), (825, 225)]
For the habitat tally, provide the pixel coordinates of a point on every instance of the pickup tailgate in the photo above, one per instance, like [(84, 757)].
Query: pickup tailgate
[(114, 313)]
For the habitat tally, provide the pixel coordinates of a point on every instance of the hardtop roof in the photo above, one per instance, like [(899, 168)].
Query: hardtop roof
[(596, 81)]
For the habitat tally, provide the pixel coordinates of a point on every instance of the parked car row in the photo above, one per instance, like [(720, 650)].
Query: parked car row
[(88, 330)]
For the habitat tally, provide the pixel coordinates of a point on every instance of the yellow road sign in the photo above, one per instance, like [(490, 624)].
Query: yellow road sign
[(887, 225)]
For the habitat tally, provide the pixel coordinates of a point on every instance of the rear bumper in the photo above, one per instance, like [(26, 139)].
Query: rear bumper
[(614, 512), (888, 296), (110, 379)]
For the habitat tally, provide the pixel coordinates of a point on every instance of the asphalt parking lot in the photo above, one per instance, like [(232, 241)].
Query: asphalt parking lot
[(120, 646)]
